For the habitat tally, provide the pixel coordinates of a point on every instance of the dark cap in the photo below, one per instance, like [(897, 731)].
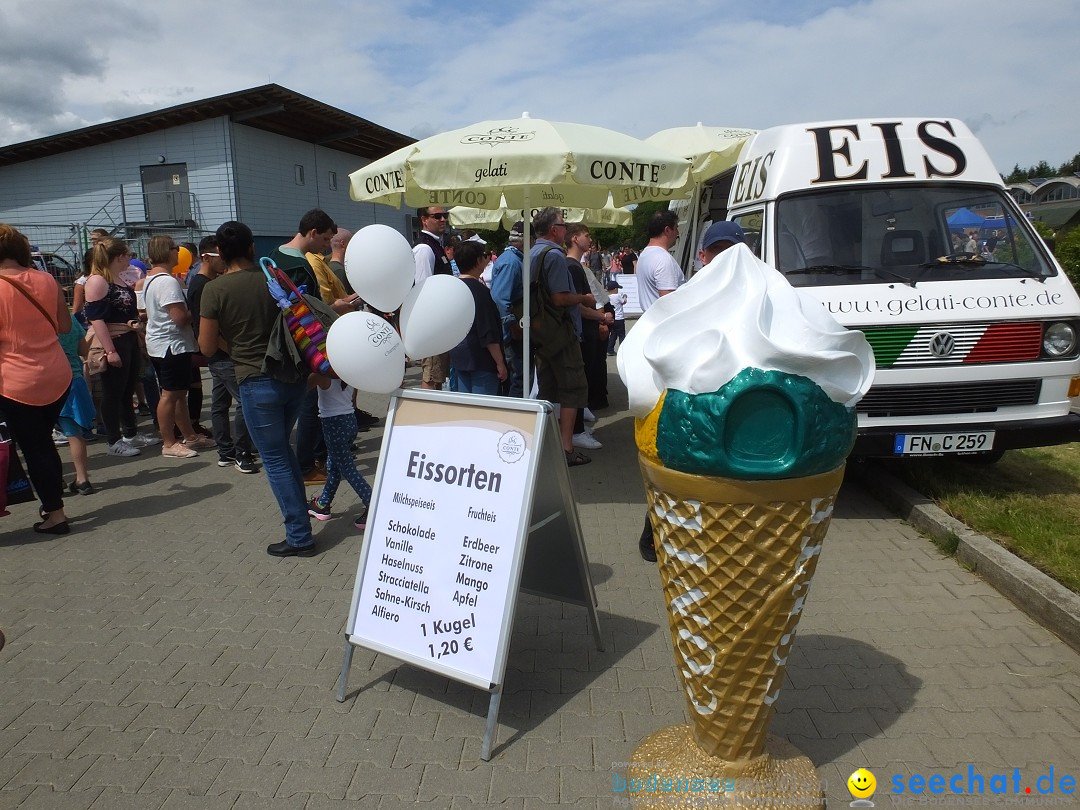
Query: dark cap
[(723, 231)]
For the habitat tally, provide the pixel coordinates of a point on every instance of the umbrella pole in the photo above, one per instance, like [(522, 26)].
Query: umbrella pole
[(526, 327)]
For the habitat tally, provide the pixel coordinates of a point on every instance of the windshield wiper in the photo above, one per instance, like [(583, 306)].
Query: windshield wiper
[(1035, 274), (846, 269), (970, 258)]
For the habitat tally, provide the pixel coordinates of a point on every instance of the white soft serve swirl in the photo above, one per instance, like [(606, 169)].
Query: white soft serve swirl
[(740, 313)]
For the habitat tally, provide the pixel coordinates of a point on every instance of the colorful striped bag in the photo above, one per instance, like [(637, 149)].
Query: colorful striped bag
[(307, 329)]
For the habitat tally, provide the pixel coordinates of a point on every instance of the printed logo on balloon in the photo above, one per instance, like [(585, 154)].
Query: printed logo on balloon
[(364, 349)]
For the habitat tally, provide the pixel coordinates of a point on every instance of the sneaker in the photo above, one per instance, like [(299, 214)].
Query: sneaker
[(142, 440), (226, 461), (178, 451), (588, 416), (245, 465), (122, 448), (317, 510), (361, 519), (586, 442), (200, 443), (58, 438), (365, 419), (81, 488)]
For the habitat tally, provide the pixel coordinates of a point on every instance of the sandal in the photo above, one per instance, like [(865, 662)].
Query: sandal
[(576, 459)]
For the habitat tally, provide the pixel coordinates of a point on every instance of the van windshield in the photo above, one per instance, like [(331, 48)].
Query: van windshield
[(904, 234)]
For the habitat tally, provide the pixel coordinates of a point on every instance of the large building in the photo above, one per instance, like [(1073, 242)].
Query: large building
[(262, 156), (1054, 200)]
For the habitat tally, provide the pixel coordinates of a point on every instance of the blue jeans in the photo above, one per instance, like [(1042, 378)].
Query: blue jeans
[(477, 382), (270, 411)]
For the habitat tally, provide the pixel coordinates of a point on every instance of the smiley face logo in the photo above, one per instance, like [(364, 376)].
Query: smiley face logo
[(861, 785)]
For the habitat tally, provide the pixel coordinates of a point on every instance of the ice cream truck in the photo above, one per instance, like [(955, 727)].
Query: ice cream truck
[(903, 229)]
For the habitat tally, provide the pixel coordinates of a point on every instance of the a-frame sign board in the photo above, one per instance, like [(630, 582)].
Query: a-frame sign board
[(471, 503)]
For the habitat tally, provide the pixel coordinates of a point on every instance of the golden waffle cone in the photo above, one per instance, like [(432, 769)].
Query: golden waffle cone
[(736, 559)]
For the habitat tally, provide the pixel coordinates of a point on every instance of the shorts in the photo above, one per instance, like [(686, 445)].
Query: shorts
[(173, 371), (436, 368), (562, 378)]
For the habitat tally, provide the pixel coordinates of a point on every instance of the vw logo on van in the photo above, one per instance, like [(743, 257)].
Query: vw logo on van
[(942, 345)]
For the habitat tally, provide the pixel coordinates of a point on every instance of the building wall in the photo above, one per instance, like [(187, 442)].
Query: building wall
[(271, 200), (76, 186), (234, 172)]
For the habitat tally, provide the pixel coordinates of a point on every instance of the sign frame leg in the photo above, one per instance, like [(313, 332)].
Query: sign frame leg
[(346, 664), (492, 726)]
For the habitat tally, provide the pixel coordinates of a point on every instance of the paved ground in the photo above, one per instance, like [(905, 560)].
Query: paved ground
[(158, 658)]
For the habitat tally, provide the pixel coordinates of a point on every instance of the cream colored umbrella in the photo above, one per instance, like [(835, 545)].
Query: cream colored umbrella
[(711, 150), (521, 163), (490, 219)]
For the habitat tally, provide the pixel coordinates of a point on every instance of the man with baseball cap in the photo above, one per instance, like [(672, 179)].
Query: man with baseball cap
[(718, 237)]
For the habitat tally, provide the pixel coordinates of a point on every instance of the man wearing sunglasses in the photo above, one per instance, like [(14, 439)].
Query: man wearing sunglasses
[(431, 259)]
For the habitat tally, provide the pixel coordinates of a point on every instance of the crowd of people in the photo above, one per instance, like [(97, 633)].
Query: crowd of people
[(140, 331)]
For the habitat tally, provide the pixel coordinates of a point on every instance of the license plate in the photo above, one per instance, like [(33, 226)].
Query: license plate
[(932, 444)]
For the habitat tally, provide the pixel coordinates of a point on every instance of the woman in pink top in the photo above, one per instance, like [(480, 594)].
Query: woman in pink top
[(34, 372)]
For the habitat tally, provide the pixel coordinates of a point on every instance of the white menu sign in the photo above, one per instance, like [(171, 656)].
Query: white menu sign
[(445, 539)]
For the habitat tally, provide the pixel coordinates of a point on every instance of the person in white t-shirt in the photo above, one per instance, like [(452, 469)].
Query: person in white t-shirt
[(618, 328), (337, 415), (170, 342), (657, 271)]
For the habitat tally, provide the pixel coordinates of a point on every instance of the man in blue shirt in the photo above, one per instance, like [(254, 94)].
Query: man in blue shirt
[(506, 288)]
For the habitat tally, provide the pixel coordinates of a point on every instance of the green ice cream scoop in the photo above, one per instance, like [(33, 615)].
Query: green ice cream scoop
[(759, 425)]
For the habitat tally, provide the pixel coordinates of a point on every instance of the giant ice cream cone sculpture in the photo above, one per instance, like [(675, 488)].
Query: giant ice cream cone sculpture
[(745, 391)]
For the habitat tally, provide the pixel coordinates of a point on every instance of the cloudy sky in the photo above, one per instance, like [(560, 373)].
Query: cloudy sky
[(1006, 68)]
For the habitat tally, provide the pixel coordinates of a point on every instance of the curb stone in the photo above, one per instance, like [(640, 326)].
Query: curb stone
[(1044, 599)]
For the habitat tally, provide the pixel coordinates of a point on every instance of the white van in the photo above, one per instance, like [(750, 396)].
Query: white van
[(903, 229)]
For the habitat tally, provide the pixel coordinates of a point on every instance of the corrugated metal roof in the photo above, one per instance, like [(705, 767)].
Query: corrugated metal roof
[(271, 108)]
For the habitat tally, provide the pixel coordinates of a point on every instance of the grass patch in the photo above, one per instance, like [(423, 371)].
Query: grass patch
[(1029, 502)]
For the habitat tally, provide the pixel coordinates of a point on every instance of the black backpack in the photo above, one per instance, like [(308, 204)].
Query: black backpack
[(551, 329)]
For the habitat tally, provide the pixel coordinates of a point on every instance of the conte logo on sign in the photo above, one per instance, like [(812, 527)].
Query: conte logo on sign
[(511, 446), (499, 135), (942, 345)]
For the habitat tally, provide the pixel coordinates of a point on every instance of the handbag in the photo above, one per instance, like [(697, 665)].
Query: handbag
[(306, 326), (17, 488), (97, 359)]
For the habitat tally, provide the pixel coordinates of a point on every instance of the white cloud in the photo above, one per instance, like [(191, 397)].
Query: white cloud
[(633, 65)]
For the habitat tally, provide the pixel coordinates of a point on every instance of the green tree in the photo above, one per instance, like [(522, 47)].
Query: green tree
[(1067, 251)]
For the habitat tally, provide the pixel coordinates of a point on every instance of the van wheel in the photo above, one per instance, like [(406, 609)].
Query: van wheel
[(989, 457)]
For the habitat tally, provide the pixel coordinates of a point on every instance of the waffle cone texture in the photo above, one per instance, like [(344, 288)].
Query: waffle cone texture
[(736, 559)]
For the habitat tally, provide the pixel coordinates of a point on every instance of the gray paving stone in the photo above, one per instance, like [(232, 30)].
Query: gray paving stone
[(207, 669)]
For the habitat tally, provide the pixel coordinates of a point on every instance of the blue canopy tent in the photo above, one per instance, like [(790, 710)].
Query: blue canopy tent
[(965, 218)]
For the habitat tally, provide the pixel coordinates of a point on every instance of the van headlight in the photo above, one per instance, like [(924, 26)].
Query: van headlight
[(1059, 339)]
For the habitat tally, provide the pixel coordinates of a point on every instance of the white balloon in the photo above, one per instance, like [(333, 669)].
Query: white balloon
[(380, 266), (436, 315), (366, 352)]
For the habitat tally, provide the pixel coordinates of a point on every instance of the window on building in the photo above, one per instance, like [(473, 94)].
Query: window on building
[(332, 181), (298, 173)]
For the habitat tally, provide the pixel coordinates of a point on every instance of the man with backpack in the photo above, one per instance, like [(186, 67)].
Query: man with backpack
[(556, 332)]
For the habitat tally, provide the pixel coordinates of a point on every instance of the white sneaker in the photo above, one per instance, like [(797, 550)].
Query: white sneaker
[(58, 438), (588, 416), (122, 448), (586, 442), (142, 440)]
